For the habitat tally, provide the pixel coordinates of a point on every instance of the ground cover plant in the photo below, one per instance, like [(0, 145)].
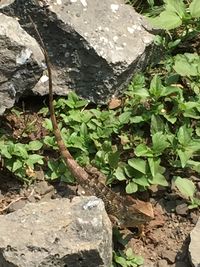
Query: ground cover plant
[(149, 136)]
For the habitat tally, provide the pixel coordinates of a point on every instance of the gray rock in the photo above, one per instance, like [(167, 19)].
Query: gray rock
[(20, 58), (57, 233), (94, 46), (194, 247)]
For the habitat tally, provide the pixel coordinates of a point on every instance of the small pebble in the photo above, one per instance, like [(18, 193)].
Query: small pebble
[(182, 209), (162, 263), (169, 255)]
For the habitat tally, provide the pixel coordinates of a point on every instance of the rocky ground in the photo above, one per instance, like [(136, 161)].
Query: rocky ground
[(166, 239)]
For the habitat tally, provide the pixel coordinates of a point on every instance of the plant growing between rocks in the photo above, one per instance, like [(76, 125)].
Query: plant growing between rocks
[(152, 138)]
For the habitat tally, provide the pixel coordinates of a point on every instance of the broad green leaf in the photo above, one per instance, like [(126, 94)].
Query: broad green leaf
[(184, 135), (176, 6), (143, 181), (129, 253), (121, 261), (143, 150), (159, 179), (138, 164), (33, 159), (124, 117), (141, 92), (156, 86), (20, 150), (185, 186), (184, 156), (119, 173), (35, 145), (136, 119), (154, 165), (4, 151), (167, 20), (157, 124), (113, 159), (48, 124), (84, 130), (160, 143), (185, 65), (195, 165), (17, 165), (131, 187), (194, 8)]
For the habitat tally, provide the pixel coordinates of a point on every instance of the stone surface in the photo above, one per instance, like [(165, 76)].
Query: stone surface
[(94, 46), (194, 247), (20, 58), (169, 255), (57, 233), (162, 263)]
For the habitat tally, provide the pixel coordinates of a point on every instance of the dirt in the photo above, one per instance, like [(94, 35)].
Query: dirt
[(165, 241)]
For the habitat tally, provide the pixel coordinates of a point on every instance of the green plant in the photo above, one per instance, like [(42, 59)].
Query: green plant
[(127, 259), (187, 190), (19, 158)]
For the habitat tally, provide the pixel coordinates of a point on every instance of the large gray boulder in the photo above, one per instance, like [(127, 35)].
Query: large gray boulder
[(20, 62), (57, 233), (94, 46)]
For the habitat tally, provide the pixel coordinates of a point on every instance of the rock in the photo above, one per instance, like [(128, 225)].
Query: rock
[(95, 47), (194, 246), (182, 209), (20, 58), (57, 233), (194, 217), (43, 188), (169, 255), (162, 263), (17, 205)]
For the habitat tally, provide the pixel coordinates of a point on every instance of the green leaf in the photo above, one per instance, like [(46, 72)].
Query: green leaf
[(143, 150), (84, 130), (48, 125), (33, 159), (113, 159), (143, 181), (167, 20), (177, 7), (159, 179), (119, 173), (157, 124), (155, 167), (185, 65), (121, 261), (124, 117), (156, 86), (138, 164), (184, 135), (184, 156), (17, 165), (131, 187), (160, 142), (194, 8), (35, 145), (185, 186)]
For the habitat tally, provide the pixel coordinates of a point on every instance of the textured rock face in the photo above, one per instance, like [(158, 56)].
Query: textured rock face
[(94, 46), (194, 247), (57, 233), (20, 58)]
